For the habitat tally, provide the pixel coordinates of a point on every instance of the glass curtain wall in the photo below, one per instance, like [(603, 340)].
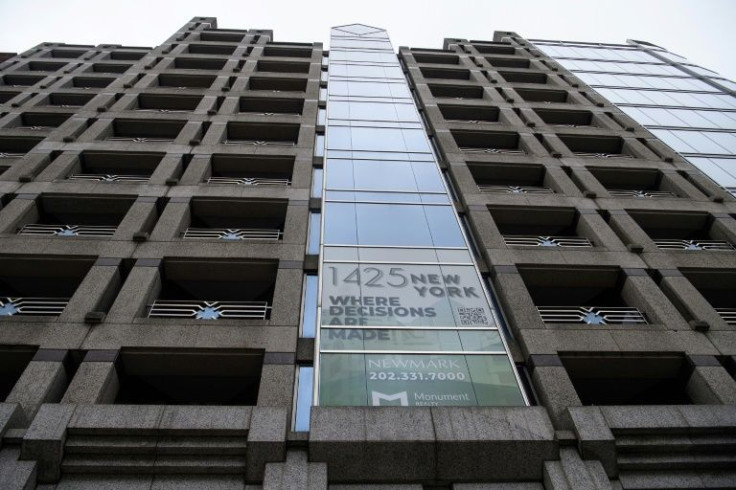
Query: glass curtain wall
[(686, 106), (404, 318)]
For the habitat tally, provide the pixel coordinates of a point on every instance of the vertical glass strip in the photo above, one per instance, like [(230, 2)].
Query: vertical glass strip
[(404, 318)]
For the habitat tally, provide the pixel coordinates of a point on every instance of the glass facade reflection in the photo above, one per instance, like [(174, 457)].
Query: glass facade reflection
[(404, 318), (686, 106)]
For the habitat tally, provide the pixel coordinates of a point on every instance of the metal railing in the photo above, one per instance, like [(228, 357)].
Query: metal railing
[(209, 310), (504, 151), (109, 178), (586, 154), (728, 315), (515, 189), (10, 306), (694, 245), (592, 315), (641, 194), (248, 181), (547, 241), (140, 139), (5, 154), (233, 233), (260, 143), (68, 230)]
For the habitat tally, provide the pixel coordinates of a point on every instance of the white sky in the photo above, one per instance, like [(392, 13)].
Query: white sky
[(701, 30)]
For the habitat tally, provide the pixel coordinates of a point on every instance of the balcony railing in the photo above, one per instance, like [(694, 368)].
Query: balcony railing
[(248, 181), (68, 230), (109, 178), (641, 194), (10, 306), (694, 245), (547, 241), (260, 143), (592, 315), (728, 315), (5, 154), (233, 233), (501, 151), (140, 139), (209, 310), (586, 154), (515, 189)]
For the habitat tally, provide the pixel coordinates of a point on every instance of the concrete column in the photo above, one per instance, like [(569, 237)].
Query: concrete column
[(96, 380), (140, 218), (296, 473), (96, 292), (555, 389), (629, 231), (287, 293), (29, 165), (640, 290), (302, 175), (710, 383), (557, 179), (216, 134), (61, 167), (517, 303), (199, 169), (485, 228), (688, 297), (277, 385), (587, 182), (295, 224), (20, 211), (592, 225), (43, 381), (571, 473), (171, 166), (99, 130), (173, 221), (142, 286)]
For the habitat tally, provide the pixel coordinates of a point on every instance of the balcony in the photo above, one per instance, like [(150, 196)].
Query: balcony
[(47, 66), (75, 216), (110, 67), (508, 62), (236, 219), (12, 147), (221, 36), (445, 73), (491, 142), (718, 287), (586, 296), (524, 77), (216, 49), (282, 67), (565, 118), (200, 63), (596, 146), (21, 80), (495, 48), (39, 286), (629, 378), (510, 179), (161, 376), (457, 91), (213, 289), (270, 106), (285, 51), (91, 82), (687, 231), (545, 227), (250, 170), (277, 84), (39, 121), (471, 114), (436, 58), (144, 130), (634, 183), (69, 100), (545, 96), (117, 167), (261, 134), (181, 81), (167, 103)]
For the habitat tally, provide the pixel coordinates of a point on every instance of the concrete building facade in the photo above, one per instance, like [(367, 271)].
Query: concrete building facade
[(235, 262)]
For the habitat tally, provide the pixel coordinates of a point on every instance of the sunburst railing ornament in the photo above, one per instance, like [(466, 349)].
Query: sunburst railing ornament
[(209, 310), (592, 315)]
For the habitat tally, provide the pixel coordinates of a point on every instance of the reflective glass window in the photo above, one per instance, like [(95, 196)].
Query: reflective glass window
[(444, 227), (316, 182), (314, 233), (411, 340), (380, 224), (305, 384), (340, 224), (319, 145), (309, 306)]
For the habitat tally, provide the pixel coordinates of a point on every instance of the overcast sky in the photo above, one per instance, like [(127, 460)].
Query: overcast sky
[(701, 30)]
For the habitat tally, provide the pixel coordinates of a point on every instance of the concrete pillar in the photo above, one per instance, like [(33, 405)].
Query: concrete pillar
[(140, 218), (96, 380), (555, 389), (96, 292), (142, 286), (296, 473), (20, 211), (43, 381), (173, 221), (710, 383)]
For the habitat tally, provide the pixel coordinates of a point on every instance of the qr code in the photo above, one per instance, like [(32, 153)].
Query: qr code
[(472, 316)]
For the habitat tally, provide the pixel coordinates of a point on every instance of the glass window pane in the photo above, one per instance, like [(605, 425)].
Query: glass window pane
[(309, 306), (444, 228), (316, 182), (314, 233), (303, 398), (340, 224), (381, 224), (319, 145)]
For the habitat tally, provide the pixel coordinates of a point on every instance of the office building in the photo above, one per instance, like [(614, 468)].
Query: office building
[(231, 261)]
